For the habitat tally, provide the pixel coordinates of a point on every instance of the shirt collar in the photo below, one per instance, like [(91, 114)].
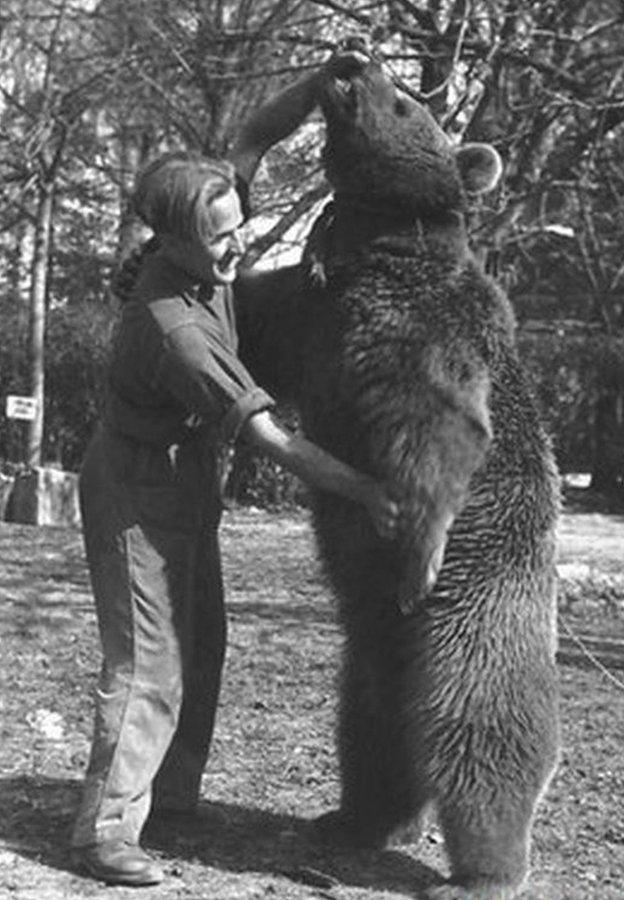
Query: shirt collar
[(187, 284)]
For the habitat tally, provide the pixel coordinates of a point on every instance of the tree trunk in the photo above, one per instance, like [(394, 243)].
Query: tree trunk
[(608, 465), (38, 286)]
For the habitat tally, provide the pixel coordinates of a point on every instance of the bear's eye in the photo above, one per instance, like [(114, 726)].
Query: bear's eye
[(401, 108)]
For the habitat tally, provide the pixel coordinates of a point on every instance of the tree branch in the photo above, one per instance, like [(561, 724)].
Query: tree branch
[(357, 16)]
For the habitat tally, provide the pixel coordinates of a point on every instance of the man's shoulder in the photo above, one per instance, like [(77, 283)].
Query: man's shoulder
[(163, 294)]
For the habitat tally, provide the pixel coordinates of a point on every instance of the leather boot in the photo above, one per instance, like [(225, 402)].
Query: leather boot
[(117, 862)]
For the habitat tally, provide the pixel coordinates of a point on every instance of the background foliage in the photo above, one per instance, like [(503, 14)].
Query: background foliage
[(89, 89)]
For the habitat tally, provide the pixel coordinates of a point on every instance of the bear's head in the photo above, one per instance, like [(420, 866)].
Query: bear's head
[(385, 149)]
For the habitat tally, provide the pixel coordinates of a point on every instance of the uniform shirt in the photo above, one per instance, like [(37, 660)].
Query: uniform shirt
[(174, 366)]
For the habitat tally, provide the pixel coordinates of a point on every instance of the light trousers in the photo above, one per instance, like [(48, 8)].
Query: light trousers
[(150, 518)]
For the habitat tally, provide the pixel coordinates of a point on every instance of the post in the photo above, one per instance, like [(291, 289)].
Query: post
[(38, 288)]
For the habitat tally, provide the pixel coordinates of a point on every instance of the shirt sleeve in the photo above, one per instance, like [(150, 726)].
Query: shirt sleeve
[(209, 379)]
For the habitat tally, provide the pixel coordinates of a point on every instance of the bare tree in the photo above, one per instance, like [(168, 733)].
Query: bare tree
[(90, 88), (41, 112)]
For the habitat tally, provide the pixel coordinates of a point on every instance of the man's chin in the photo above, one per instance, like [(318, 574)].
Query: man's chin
[(224, 276)]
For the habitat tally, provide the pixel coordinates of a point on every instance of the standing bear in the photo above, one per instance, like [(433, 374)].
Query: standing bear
[(403, 363)]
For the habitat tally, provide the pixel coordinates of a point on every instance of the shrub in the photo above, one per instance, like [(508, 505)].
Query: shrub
[(572, 370)]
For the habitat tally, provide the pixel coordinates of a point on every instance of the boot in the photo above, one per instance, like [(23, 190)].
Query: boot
[(117, 862)]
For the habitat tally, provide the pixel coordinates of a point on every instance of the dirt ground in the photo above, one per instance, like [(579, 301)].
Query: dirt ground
[(273, 767)]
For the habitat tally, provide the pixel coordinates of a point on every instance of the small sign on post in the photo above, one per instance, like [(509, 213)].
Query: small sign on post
[(19, 407)]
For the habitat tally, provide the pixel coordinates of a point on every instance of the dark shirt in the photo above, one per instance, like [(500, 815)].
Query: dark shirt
[(174, 367)]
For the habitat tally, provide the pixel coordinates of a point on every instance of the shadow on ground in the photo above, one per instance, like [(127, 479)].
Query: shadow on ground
[(38, 814)]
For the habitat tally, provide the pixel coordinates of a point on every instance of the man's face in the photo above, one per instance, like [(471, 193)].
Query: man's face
[(223, 245)]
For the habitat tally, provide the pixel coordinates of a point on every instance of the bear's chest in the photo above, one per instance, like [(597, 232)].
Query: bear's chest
[(382, 315), (369, 341)]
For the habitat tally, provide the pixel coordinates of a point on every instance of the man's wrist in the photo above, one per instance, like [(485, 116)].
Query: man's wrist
[(362, 488)]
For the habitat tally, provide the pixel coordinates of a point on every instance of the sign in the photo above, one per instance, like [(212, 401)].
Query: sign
[(21, 407)]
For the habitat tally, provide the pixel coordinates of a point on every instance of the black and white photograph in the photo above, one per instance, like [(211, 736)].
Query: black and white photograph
[(312, 450)]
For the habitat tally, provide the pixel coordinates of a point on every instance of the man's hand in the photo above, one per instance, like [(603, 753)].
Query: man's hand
[(383, 509), (350, 58), (323, 471)]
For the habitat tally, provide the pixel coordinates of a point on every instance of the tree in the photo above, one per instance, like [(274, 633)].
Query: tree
[(90, 88), (60, 80)]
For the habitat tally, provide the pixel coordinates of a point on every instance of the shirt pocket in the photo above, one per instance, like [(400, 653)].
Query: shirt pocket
[(155, 492)]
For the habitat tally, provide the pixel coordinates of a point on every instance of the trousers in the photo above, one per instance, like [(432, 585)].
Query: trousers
[(150, 517)]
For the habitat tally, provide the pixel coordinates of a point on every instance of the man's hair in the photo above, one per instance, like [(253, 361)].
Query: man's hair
[(173, 193)]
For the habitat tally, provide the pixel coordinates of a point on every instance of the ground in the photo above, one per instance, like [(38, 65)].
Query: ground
[(273, 765)]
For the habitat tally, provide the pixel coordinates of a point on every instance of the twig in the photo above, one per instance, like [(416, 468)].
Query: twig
[(461, 36), (348, 13)]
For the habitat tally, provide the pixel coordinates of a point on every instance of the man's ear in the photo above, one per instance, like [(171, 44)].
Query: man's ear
[(480, 167)]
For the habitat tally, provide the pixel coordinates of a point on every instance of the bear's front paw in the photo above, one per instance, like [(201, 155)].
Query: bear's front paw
[(349, 58)]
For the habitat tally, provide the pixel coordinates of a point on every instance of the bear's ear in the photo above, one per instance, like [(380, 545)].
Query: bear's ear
[(480, 168)]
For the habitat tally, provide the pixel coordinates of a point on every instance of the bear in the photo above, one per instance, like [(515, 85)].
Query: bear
[(402, 361)]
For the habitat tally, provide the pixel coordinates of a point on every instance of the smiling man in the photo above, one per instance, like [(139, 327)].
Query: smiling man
[(151, 504)]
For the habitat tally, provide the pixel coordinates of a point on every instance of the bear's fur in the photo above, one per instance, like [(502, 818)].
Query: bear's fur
[(406, 368)]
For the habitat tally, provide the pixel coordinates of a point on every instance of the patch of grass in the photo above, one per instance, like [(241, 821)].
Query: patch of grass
[(272, 766)]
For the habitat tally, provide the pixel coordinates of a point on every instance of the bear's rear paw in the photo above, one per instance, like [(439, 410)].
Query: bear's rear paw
[(336, 829), (475, 892)]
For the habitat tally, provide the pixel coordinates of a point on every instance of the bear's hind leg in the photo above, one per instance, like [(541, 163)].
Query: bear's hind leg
[(487, 841), (378, 796), (489, 788), (488, 863)]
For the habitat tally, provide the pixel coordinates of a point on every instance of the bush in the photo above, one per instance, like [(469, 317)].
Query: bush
[(572, 370), (255, 480), (77, 340)]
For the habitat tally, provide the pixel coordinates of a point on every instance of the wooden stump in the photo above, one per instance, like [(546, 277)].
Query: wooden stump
[(44, 496)]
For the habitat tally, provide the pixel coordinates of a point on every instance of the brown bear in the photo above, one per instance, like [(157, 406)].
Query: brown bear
[(405, 366)]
